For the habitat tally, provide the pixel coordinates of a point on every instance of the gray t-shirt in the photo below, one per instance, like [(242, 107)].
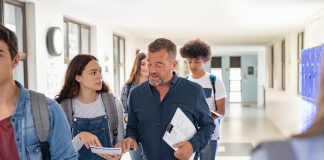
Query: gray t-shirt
[(88, 110)]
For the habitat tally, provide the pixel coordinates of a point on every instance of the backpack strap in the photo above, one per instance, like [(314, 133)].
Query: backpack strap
[(111, 110), (212, 79), (278, 150), (40, 113), (67, 107)]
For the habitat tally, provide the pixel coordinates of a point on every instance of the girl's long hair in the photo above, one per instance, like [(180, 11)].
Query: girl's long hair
[(71, 87), (136, 70)]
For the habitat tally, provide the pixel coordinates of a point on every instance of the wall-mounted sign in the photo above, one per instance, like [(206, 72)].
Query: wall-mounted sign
[(250, 70)]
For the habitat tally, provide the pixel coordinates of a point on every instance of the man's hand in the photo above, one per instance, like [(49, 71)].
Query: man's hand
[(127, 144), (214, 116), (185, 150), (110, 157), (89, 139), (126, 118)]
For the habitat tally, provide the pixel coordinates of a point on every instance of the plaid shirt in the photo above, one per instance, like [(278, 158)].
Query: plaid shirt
[(124, 95)]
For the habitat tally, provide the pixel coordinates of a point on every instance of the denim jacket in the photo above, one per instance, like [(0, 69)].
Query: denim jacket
[(28, 146)]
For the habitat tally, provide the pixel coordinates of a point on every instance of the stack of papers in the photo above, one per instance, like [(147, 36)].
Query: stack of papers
[(104, 150), (180, 129)]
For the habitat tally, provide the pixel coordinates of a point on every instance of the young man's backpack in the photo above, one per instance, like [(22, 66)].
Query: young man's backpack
[(108, 100), (212, 79), (39, 108)]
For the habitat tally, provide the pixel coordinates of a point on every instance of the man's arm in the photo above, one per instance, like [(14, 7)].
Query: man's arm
[(60, 138), (220, 97), (131, 137), (132, 124), (204, 121)]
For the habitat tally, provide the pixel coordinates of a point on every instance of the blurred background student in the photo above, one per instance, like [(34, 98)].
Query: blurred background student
[(138, 75)]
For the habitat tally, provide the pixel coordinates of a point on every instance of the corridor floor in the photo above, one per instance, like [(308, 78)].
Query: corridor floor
[(243, 127)]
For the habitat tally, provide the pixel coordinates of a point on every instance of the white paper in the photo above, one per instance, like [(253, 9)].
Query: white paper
[(104, 150), (182, 129)]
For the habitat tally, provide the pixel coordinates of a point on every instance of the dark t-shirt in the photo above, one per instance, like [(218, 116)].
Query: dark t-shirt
[(8, 149)]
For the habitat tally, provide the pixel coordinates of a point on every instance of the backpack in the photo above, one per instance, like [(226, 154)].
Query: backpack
[(40, 114), (278, 150), (212, 79), (108, 100)]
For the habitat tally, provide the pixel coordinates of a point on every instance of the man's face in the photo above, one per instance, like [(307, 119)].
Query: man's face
[(196, 64), (160, 67), (6, 63)]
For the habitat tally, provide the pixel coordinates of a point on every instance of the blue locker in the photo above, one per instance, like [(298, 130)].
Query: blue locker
[(312, 74)]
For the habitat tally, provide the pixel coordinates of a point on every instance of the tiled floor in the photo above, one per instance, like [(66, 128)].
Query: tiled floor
[(243, 127)]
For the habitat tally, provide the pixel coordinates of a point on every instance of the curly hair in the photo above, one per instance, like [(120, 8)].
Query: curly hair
[(195, 49)]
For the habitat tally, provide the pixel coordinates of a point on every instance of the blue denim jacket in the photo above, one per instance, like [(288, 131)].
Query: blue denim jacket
[(27, 143)]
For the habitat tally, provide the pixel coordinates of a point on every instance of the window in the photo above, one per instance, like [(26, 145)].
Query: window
[(77, 39), (283, 65), (119, 62), (13, 17), (235, 79), (299, 50), (216, 67), (271, 79)]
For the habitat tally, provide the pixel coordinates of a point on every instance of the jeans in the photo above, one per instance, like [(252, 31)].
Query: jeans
[(96, 126), (209, 152), (136, 155)]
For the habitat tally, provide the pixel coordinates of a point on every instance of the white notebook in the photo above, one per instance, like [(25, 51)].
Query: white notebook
[(104, 150), (179, 129)]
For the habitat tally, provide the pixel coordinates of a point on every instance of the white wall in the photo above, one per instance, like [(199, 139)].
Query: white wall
[(314, 31), (45, 72), (285, 108)]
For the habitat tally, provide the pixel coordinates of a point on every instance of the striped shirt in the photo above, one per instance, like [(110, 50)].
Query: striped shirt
[(205, 83)]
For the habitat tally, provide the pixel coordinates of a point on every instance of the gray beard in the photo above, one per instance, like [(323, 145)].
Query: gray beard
[(157, 83)]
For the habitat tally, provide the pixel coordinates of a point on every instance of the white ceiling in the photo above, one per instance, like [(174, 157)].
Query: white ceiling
[(220, 22)]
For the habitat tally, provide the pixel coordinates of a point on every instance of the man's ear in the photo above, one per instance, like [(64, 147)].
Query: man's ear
[(174, 63), (15, 61)]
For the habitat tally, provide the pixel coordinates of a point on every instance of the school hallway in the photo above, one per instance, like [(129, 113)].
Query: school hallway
[(243, 127), (267, 53)]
